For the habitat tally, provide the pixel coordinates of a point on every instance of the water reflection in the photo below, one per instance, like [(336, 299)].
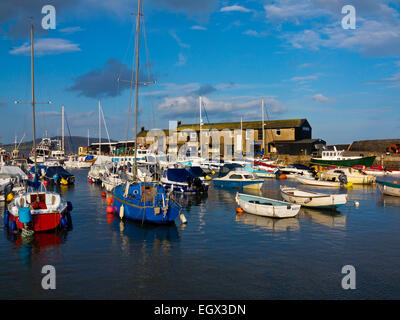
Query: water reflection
[(147, 235), (329, 218), (288, 224), (389, 201), (36, 244)]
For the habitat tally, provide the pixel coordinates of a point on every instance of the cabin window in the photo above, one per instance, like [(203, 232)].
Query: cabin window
[(236, 176), (248, 177), (278, 132)]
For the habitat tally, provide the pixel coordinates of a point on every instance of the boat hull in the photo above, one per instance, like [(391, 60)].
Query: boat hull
[(277, 209), (318, 183), (314, 200), (366, 161), (158, 211), (41, 222), (389, 189), (238, 184)]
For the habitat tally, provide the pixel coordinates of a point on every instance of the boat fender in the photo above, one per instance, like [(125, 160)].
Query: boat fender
[(13, 226), (6, 218), (356, 204), (121, 211), (10, 197), (63, 222), (183, 218), (110, 210)]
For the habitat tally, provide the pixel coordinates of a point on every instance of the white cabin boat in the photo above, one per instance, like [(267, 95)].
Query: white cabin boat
[(315, 182)]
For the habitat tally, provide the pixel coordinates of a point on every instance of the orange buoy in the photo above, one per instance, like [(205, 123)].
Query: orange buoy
[(239, 210), (282, 176), (395, 182), (109, 200)]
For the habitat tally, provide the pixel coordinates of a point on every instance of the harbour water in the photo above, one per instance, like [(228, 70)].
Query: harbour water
[(216, 255)]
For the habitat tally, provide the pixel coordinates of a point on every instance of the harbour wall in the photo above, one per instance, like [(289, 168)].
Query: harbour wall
[(388, 161)]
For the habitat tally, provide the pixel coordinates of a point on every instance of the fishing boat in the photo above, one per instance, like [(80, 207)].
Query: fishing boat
[(316, 182), (389, 188), (266, 207), (182, 180), (146, 202), (239, 179), (336, 158), (354, 176), (36, 209), (312, 199)]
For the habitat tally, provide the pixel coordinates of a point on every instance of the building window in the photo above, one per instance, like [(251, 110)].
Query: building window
[(278, 132), (260, 135)]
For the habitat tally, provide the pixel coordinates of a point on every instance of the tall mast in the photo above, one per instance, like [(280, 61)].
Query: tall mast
[(99, 130), (262, 126), (137, 83), (200, 125), (33, 103), (88, 137), (62, 129)]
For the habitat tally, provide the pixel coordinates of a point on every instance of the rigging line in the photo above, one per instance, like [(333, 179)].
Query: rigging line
[(126, 53), (105, 125), (268, 119), (208, 120), (148, 73), (69, 131)]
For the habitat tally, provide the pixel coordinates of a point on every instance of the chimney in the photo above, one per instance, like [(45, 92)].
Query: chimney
[(142, 128), (179, 123)]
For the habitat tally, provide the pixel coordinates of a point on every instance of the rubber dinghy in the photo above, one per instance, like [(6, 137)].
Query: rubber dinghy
[(313, 199), (266, 207)]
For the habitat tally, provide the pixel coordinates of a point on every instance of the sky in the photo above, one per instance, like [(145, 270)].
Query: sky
[(293, 53)]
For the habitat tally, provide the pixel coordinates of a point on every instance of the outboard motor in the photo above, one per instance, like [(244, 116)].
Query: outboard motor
[(343, 178)]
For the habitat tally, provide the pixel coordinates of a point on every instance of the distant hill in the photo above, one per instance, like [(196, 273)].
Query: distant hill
[(72, 144)]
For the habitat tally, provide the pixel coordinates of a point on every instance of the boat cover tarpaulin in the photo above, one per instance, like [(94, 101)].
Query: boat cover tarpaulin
[(178, 175), (25, 215), (14, 171)]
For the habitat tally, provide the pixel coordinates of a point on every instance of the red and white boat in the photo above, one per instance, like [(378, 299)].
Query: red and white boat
[(38, 210), (374, 170)]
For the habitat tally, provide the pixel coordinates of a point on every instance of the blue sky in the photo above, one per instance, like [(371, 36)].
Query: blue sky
[(295, 54)]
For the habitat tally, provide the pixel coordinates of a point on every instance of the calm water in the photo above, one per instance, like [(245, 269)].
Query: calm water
[(217, 255)]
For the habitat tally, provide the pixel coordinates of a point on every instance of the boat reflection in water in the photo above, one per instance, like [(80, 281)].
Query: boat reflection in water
[(287, 224), (134, 233), (329, 218), (35, 244), (389, 201)]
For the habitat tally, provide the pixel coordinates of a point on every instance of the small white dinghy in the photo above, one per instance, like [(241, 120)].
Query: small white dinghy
[(266, 207), (318, 182), (313, 199)]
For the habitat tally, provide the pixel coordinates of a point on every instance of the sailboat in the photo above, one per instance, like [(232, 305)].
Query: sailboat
[(36, 209), (144, 201)]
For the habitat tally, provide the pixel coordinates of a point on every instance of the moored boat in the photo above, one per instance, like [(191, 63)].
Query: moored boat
[(336, 158), (312, 199), (354, 176), (239, 179), (389, 188), (266, 207), (316, 182)]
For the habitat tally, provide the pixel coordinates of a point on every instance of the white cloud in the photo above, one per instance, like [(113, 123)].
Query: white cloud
[(234, 8), (181, 60), (304, 79), (178, 40), (187, 106), (198, 28), (47, 46), (69, 30), (321, 98)]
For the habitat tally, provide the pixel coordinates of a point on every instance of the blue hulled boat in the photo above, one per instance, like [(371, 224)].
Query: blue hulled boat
[(145, 202)]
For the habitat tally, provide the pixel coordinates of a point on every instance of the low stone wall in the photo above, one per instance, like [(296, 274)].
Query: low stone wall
[(388, 161)]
